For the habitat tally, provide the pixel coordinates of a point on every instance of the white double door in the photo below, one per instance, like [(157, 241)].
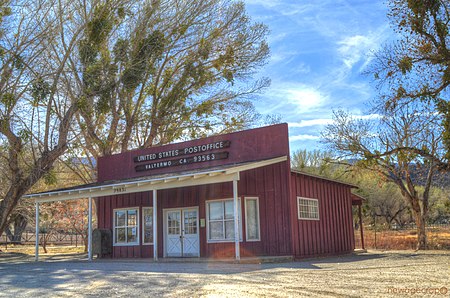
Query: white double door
[(181, 232)]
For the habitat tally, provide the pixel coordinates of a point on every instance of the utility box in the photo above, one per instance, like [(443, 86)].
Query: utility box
[(102, 242)]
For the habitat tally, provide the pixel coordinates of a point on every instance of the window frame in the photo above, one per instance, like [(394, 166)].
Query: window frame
[(137, 226), (258, 219), (309, 210), (143, 227), (208, 240)]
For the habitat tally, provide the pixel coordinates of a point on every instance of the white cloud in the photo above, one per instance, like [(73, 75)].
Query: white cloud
[(305, 98), (303, 137), (309, 123), (264, 3), (358, 48), (289, 99), (352, 48)]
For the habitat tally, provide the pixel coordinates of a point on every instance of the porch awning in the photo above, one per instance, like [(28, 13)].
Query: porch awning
[(220, 174), (357, 200)]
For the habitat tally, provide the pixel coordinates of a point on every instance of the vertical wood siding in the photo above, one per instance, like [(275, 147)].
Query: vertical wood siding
[(333, 232), (270, 184)]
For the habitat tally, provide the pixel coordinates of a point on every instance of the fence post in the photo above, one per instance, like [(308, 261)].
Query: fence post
[(375, 227)]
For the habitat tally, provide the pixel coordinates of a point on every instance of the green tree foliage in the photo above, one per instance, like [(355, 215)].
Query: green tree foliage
[(314, 162), (157, 71), (34, 118), (416, 67), (384, 199), (106, 76)]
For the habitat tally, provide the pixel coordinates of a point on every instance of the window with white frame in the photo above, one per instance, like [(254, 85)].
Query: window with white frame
[(308, 208), (252, 230), (220, 220), (147, 225), (126, 227)]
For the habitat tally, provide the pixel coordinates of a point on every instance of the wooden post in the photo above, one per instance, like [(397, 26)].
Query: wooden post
[(155, 229), (236, 220), (375, 227), (361, 226), (36, 253), (90, 230)]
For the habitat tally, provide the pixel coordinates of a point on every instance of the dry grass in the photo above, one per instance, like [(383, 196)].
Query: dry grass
[(51, 250), (438, 238)]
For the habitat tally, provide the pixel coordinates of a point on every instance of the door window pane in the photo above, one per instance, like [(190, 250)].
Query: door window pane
[(190, 222), (173, 223)]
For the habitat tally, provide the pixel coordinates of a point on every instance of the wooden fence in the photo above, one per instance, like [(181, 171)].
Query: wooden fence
[(438, 237), (55, 238)]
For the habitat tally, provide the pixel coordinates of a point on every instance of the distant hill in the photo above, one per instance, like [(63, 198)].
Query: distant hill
[(440, 179)]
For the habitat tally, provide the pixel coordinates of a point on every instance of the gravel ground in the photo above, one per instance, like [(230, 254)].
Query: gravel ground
[(372, 274)]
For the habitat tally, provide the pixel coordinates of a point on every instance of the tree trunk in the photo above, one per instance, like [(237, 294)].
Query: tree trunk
[(86, 244), (421, 234), (10, 201), (420, 219), (20, 223)]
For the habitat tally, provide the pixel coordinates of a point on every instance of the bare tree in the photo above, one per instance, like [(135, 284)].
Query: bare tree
[(415, 67), (376, 145)]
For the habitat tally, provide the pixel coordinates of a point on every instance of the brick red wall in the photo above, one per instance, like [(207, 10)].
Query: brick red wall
[(333, 233), (249, 145), (268, 183)]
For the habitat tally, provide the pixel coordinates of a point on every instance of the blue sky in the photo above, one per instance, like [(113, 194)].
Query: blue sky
[(319, 49)]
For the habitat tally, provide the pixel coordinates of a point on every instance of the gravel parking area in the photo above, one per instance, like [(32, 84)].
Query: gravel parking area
[(373, 274)]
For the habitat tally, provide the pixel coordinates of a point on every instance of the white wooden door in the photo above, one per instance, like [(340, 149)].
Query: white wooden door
[(182, 238), (190, 239), (173, 222)]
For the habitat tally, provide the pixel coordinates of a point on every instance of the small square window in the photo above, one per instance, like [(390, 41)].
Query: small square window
[(308, 208)]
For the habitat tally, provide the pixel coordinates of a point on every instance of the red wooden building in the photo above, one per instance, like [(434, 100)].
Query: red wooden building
[(229, 195)]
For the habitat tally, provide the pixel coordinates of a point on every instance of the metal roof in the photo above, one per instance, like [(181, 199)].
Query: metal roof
[(323, 178)]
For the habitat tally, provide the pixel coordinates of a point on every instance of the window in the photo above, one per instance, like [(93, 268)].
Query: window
[(126, 227), (147, 223), (252, 219), (308, 208), (220, 217)]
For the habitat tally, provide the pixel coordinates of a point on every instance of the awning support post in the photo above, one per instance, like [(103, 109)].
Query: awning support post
[(36, 254), (236, 219), (155, 228), (90, 230), (361, 226)]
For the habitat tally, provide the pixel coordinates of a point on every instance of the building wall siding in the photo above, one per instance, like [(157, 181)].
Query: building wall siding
[(270, 184), (249, 145), (333, 232)]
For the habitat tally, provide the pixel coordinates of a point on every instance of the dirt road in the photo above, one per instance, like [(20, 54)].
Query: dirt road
[(374, 274)]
